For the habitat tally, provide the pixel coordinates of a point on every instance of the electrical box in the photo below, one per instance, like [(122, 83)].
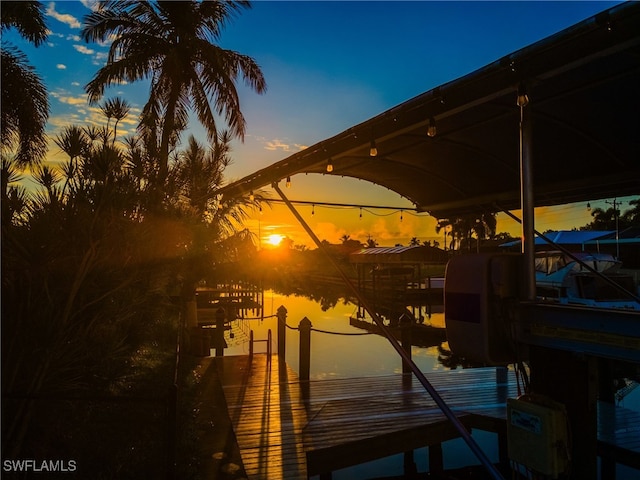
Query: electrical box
[(537, 435), (478, 290)]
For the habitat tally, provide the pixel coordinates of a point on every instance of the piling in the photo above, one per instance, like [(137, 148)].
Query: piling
[(282, 331), (305, 348), (219, 339)]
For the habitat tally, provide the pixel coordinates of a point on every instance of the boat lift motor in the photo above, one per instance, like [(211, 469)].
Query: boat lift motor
[(479, 291)]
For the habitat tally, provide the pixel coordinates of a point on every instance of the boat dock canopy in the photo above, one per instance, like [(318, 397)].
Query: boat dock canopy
[(582, 86), (405, 255)]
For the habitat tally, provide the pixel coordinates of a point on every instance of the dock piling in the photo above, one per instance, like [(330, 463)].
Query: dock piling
[(282, 330), (305, 347), (219, 340)]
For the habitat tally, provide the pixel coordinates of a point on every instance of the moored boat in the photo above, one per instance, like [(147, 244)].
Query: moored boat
[(563, 279)]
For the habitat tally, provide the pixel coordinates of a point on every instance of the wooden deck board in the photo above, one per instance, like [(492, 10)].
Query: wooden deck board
[(287, 429)]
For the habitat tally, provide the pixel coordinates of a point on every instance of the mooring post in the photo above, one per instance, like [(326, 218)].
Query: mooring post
[(282, 331), (220, 315), (305, 348)]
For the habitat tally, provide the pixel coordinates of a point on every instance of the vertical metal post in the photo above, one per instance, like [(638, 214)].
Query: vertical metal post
[(305, 348), (282, 331), (526, 195), (219, 340)]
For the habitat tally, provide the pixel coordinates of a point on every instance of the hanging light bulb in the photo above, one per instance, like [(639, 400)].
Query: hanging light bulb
[(373, 151), (313, 209), (431, 129), (360, 212), (588, 206), (252, 197), (288, 184), (401, 213), (329, 166), (523, 98)]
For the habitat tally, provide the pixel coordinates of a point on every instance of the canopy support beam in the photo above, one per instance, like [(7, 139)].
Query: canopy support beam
[(526, 194)]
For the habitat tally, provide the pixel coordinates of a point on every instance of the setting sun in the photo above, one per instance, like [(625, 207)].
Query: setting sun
[(275, 239)]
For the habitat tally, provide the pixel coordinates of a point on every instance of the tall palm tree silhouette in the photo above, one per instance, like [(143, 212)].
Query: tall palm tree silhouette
[(174, 44)]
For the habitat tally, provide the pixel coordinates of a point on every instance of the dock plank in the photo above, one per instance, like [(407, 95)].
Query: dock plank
[(292, 429)]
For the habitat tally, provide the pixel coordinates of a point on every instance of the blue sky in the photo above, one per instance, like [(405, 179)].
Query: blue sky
[(328, 65)]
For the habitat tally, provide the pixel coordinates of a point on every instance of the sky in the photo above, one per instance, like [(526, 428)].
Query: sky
[(328, 65)]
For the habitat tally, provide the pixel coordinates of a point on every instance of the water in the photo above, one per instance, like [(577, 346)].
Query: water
[(341, 356)]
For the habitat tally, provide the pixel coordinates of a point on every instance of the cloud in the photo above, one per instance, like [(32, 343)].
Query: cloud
[(61, 66), (63, 17), (68, 99), (90, 4), (277, 144), (84, 50)]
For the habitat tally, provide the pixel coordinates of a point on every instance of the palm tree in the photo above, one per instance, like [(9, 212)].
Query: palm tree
[(173, 44), (115, 108), (445, 225), (462, 228), (25, 107), (631, 217)]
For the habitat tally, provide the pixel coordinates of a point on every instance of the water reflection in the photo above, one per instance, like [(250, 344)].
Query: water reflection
[(334, 355)]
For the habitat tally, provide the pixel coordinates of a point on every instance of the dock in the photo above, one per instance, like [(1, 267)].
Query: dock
[(292, 429)]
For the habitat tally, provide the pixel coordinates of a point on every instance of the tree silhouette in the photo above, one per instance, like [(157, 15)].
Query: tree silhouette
[(25, 107), (173, 44)]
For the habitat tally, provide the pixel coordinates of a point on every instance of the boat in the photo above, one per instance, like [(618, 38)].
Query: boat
[(564, 279)]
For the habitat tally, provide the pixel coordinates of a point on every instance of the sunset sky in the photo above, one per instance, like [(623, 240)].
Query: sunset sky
[(328, 66)]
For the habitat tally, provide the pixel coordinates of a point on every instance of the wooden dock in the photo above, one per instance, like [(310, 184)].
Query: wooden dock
[(288, 429)]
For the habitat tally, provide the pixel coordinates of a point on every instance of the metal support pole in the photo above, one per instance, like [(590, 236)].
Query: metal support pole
[(526, 194), (458, 425)]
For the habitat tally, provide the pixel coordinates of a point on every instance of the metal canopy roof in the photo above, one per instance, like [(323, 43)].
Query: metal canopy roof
[(584, 89), (410, 254)]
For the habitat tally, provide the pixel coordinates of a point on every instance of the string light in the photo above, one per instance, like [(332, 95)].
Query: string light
[(523, 98), (252, 197), (313, 209), (329, 166), (373, 151), (288, 184), (431, 129), (361, 213)]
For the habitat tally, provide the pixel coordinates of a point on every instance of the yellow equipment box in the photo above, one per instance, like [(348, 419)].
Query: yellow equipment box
[(537, 435)]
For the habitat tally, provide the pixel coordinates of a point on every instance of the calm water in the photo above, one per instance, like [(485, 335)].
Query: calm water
[(338, 356)]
